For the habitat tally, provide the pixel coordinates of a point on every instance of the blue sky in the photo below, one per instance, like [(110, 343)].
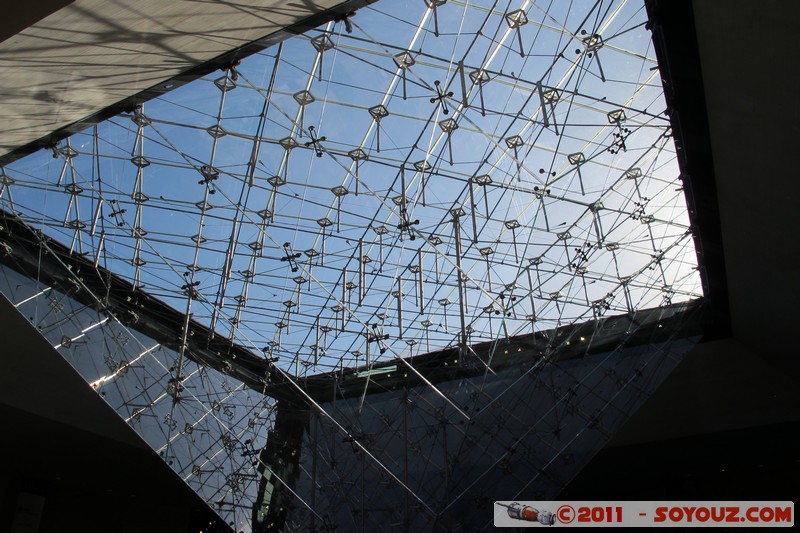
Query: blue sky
[(641, 217)]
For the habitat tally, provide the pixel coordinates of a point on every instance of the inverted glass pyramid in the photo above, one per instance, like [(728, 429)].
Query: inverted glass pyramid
[(446, 175)]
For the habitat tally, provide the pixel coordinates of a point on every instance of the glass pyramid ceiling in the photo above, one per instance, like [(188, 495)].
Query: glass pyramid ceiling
[(319, 200), (444, 174)]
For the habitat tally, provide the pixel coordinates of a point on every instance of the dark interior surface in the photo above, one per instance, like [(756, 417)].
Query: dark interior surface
[(69, 459)]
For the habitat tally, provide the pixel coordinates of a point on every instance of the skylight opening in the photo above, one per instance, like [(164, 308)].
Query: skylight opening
[(443, 175), (339, 158)]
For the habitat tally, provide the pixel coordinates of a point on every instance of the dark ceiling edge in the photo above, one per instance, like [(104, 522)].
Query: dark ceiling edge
[(26, 14), (675, 42), (225, 60), (36, 469)]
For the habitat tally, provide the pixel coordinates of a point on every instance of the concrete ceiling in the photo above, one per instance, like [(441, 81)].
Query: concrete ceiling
[(748, 56), (77, 59), (751, 375)]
